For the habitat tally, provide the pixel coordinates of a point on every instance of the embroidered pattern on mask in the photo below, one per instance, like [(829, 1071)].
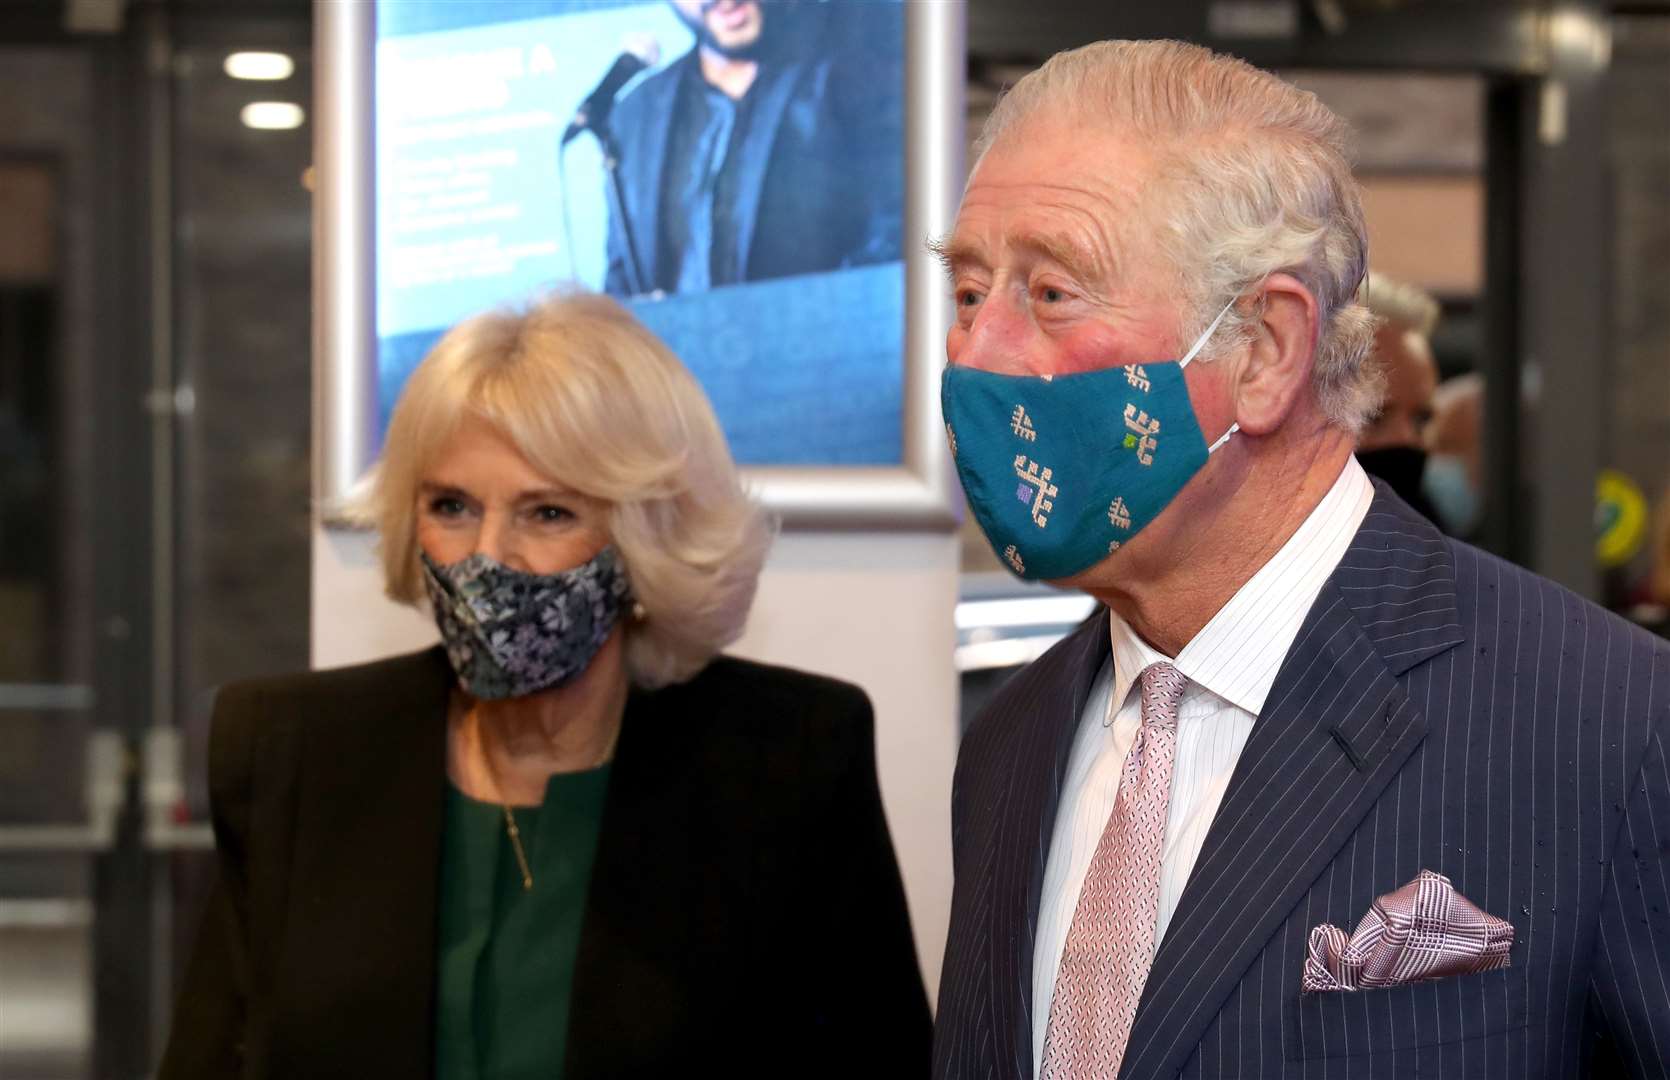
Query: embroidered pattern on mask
[(1021, 424), (1142, 437), (1032, 477)]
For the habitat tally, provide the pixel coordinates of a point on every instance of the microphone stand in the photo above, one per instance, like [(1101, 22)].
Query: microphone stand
[(611, 170)]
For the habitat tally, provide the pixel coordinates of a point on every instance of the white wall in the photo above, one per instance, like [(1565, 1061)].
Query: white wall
[(872, 608), (352, 620)]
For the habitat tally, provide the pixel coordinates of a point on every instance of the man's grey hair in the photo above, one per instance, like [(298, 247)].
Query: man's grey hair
[(1400, 303), (1253, 179)]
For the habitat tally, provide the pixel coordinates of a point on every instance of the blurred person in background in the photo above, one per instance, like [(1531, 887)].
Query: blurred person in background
[(1392, 445), (1454, 478), (571, 840)]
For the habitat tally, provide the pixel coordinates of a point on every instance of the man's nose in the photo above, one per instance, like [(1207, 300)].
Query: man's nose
[(1002, 338)]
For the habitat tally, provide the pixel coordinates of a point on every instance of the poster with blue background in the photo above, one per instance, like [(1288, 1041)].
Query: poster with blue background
[(732, 170)]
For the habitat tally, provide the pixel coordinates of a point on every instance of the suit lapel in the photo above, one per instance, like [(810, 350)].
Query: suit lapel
[(360, 924), (1335, 731), (643, 156), (760, 136), (1035, 747)]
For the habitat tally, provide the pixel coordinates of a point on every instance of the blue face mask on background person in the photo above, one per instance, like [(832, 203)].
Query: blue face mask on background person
[(509, 633), (1446, 483), (1061, 470)]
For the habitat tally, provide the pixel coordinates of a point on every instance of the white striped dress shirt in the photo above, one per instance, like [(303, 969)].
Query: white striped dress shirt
[(1230, 666)]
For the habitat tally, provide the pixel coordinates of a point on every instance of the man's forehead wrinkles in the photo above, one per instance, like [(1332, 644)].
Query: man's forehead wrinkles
[(1099, 208), (1098, 221), (1033, 181), (1066, 195)]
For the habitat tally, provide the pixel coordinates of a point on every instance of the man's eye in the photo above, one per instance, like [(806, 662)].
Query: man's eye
[(1051, 295), (967, 298)]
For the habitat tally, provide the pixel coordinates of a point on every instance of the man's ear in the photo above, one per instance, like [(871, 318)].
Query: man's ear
[(1280, 357)]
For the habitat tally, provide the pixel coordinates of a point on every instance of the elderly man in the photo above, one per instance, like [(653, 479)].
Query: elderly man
[(1321, 793)]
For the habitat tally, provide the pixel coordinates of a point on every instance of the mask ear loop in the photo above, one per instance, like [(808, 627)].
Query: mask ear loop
[(1199, 344), (1206, 335)]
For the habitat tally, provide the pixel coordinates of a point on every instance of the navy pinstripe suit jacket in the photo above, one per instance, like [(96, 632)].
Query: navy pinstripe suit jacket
[(1440, 709)]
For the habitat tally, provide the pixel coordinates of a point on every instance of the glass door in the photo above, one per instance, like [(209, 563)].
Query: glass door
[(154, 485)]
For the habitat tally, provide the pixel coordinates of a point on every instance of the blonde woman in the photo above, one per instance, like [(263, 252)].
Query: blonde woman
[(572, 840)]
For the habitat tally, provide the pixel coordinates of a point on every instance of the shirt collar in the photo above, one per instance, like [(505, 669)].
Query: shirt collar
[(1238, 652)]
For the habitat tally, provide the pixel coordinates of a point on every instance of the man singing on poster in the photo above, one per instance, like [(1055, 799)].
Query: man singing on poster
[(771, 148)]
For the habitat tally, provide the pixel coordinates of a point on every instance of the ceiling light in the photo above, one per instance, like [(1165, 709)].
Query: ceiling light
[(259, 65), (272, 115)]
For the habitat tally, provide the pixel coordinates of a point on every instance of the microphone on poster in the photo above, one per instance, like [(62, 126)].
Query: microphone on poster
[(639, 53)]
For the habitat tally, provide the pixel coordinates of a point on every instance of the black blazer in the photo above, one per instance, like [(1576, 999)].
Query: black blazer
[(745, 917), (1440, 709)]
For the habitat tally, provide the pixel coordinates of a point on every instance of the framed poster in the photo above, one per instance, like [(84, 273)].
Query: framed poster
[(753, 178)]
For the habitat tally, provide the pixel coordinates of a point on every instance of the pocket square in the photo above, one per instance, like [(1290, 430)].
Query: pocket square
[(1425, 930)]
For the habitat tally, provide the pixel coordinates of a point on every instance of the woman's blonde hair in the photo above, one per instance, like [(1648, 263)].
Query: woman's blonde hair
[(594, 400)]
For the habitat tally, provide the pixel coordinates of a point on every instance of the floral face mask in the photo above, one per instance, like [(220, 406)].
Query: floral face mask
[(509, 633)]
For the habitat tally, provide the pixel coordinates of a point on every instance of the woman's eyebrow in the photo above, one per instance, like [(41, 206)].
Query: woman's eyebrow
[(544, 495)]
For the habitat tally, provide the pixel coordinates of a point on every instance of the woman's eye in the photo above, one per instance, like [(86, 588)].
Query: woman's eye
[(547, 515), (446, 506)]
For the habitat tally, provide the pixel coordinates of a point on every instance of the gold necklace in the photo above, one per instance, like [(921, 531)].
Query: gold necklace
[(516, 846), (515, 833)]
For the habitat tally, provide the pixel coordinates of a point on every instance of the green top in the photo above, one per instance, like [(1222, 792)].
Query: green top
[(507, 953)]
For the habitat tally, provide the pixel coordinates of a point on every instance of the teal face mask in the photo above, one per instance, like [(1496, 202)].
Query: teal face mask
[(1061, 470)]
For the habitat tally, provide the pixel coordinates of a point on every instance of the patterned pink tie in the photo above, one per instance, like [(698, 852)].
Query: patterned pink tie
[(1111, 941)]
